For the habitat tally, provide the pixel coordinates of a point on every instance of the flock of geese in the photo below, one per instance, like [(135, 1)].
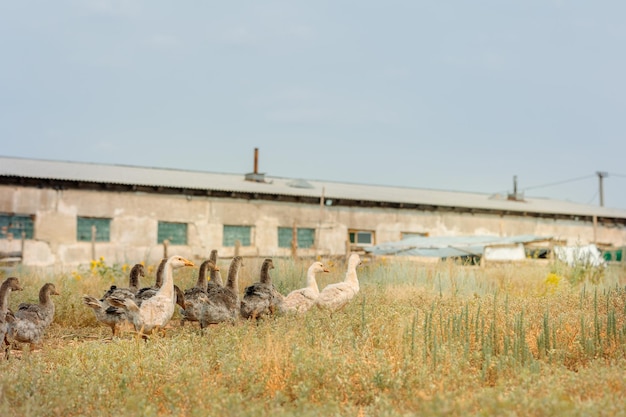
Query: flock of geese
[(29, 323), (209, 301)]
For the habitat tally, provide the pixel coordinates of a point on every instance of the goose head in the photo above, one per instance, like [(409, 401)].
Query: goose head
[(213, 267), (179, 262), (318, 267), (48, 289), (354, 260), (12, 283), (137, 271)]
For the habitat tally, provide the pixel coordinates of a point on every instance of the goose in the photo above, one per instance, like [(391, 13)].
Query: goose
[(335, 296), (221, 304), (112, 316), (301, 300), (216, 276), (193, 305), (261, 298), (148, 292), (156, 311), (9, 284), (41, 313), (29, 323)]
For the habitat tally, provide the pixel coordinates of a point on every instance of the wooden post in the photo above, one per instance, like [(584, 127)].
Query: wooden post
[(318, 232), (23, 244), (595, 229), (93, 242), (294, 241), (166, 243), (237, 247)]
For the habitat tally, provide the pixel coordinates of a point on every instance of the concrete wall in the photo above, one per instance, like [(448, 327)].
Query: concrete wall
[(135, 218)]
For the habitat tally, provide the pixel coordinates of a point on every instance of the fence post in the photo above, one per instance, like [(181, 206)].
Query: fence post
[(294, 241), (23, 245), (166, 243), (237, 247), (93, 241)]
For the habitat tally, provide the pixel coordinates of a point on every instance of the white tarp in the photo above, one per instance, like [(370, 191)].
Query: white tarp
[(586, 255), (505, 253)]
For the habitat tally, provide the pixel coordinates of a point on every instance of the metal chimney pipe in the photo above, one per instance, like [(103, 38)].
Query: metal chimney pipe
[(601, 175), (256, 160)]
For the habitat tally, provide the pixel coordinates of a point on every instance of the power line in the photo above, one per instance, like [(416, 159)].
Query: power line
[(612, 174), (559, 182), (591, 200)]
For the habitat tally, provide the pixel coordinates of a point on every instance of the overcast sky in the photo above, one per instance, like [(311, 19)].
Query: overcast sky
[(451, 95)]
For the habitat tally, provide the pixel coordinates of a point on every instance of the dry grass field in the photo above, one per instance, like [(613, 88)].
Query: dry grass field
[(532, 339)]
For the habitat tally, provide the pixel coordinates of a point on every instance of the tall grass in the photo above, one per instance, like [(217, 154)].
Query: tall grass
[(419, 339)]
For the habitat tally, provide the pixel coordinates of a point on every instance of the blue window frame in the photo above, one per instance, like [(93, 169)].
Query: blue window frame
[(361, 237), (84, 226), (13, 225), (175, 233), (233, 234), (305, 237)]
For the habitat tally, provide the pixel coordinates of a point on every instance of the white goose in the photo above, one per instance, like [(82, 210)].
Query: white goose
[(299, 301), (335, 296), (147, 292), (155, 312)]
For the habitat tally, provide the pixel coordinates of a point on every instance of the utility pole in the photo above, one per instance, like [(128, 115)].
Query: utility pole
[(601, 176)]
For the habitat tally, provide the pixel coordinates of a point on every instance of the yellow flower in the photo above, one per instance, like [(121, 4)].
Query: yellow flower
[(553, 279), (552, 283)]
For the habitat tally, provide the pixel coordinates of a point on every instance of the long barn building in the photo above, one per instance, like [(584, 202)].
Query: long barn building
[(55, 213)]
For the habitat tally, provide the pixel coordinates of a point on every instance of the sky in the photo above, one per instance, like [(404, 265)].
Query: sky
[(443, 95)]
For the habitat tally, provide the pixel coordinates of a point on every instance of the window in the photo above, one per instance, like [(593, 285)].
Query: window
[(12, 226), (408, 235), (305, 236), (175, 233), (237, 233), (361, 237), (102, 227)]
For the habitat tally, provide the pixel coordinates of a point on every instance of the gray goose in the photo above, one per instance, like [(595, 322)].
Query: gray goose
[(9, 284), (216, 276), (112, 316), (261, 299), (222, 303), (29, 323), (193, 305)]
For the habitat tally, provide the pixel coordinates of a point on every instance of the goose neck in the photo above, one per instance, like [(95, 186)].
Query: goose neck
[(4, 300), (167, 287), (201, 282)]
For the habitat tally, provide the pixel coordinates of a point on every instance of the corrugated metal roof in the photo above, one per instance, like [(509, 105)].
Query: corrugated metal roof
[(161, 177), (448, 246)]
